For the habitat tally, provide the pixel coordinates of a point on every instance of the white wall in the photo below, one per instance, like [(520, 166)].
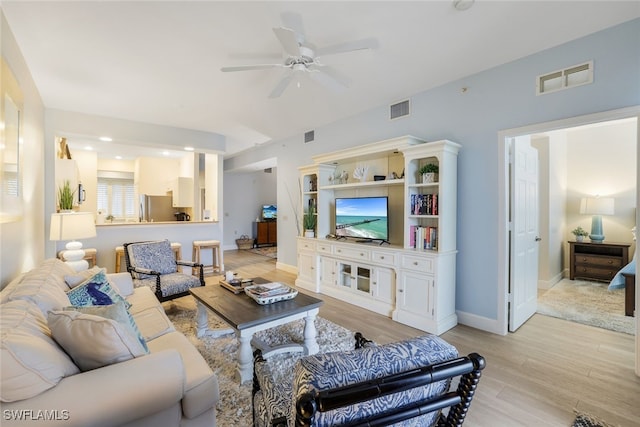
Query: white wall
[(496, 99), (244, 195)]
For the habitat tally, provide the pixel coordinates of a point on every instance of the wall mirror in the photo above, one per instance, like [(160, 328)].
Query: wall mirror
[(10, 149)]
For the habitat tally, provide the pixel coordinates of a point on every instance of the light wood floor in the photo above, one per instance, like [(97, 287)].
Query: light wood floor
[(536, 376)]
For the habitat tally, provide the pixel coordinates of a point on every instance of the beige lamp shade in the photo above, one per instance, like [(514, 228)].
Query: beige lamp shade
[(72, 226), (597, 206)]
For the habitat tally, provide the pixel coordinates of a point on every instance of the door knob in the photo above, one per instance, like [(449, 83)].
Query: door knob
[(538, 238)]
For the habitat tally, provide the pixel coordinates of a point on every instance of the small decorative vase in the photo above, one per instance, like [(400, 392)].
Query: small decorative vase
[(429, 177), (309, 233), (579, 238)]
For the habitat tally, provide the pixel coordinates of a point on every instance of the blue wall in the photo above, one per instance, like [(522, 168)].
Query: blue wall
[(497, 99)]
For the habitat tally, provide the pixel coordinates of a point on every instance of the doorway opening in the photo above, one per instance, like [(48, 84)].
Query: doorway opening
[(505, 238)]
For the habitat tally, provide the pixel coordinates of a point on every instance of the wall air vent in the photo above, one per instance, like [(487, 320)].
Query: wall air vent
[(268, 170), (309, 136), (401, 109), (576, 75)]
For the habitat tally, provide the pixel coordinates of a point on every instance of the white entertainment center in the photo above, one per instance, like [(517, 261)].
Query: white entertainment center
[(398, 278)]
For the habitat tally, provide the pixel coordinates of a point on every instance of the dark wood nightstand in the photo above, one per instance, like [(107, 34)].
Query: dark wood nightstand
[(597, 261)]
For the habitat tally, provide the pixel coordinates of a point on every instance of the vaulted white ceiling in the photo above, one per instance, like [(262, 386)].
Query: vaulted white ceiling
[(159, 62)]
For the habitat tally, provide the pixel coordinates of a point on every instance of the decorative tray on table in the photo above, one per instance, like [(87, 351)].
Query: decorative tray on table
[(269, 293), (236, 285)]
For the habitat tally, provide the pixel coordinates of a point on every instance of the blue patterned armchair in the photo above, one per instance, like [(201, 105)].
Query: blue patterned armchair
[(401, 384), (153, 264)]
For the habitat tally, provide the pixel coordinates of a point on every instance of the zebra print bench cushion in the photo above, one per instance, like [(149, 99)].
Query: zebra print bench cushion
[(330, 370)]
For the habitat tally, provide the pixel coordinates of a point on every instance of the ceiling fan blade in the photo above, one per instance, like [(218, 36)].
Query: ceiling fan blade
[(251, 67), (281, 86), (332, 73), (293, 20), (370, 43), (288, 40), (327, 80)]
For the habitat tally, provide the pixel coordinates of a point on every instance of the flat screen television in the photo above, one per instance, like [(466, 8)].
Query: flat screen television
[(269, 212), (363, 218)]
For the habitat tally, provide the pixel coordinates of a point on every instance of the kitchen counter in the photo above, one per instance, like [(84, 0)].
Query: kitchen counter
[(111, 235), (114, 224)]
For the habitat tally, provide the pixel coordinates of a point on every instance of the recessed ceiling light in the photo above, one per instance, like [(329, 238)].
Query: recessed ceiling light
[(189, 148), (88, 148), (462, 4), (119, 157), (165, 153), (105, 139)]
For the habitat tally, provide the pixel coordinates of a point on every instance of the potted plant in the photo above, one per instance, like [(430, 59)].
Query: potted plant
[(580, 233), (309, 221), (110, 218), (65, 197), (429, 172)]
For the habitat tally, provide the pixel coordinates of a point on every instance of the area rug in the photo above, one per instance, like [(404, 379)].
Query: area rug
[(234, 408), (269, 251), (589, 303), (586, 420)]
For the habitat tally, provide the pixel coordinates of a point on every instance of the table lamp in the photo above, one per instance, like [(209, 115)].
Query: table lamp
[(596, 206), (72, 226)]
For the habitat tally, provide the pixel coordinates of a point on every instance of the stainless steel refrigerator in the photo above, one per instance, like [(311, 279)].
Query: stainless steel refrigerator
[(156, 208)]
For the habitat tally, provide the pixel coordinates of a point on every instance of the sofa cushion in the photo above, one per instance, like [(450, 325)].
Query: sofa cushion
[(98, 339), (30, 361), (201, 390), (149, 314)]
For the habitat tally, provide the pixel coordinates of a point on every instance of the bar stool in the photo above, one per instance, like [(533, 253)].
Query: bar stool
[(177, 250), (214, 245)]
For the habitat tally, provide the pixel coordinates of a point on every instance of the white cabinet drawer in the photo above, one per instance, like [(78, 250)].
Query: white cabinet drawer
[(383, 258), (416, 263), (306, 245), (324, 248), (352, 253)]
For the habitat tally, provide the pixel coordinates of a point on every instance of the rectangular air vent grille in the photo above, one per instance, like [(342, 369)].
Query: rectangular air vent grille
[(309, 136), (576, 75), (401, 109)]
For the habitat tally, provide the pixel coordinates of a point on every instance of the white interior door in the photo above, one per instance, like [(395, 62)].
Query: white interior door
[(523, 280)]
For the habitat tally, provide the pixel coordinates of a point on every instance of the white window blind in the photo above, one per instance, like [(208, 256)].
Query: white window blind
[(116, 196)]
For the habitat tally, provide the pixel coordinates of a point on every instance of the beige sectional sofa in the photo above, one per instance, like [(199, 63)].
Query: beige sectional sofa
[(41, 383)]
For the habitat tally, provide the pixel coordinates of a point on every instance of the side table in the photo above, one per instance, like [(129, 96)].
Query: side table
[(597, 261)]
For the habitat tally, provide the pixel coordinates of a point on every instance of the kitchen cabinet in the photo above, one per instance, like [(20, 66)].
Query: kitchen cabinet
[(182, 192)]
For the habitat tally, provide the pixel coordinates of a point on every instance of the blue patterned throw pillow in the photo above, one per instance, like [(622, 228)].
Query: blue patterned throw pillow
[(97, 291)]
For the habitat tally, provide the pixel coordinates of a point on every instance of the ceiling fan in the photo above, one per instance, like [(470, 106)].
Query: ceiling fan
[(303, 57)]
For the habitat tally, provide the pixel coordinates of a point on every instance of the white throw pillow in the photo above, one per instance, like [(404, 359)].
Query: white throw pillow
[(94, 341), (74, 280), (30, 361)]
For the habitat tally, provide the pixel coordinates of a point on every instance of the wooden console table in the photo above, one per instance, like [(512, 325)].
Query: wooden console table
[(597, 261)]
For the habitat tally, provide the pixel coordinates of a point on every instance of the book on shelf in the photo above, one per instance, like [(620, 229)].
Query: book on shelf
[(269, 289), (424, 204), (421, 237)]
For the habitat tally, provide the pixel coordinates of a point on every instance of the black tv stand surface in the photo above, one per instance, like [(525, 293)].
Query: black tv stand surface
[(372, 240)]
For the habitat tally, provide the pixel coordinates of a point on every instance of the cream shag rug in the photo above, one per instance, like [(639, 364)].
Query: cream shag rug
[(589, 303), (234, 408)]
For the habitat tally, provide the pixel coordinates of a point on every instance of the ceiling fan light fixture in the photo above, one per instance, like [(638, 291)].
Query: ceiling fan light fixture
[(461, 5)]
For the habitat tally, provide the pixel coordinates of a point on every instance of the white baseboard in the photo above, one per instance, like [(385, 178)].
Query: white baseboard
[(482, 323), (287, 267), (548, 284)]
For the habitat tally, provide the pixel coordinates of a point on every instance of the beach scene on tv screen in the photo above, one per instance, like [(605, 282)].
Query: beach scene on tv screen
[(364, 218), (269, 212)]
